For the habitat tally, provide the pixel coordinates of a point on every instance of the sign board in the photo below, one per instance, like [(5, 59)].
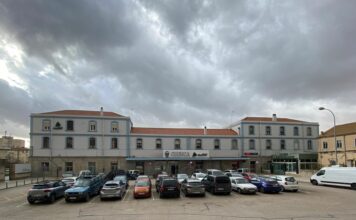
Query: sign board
[(186, 153), (23, 168), (249, 154)]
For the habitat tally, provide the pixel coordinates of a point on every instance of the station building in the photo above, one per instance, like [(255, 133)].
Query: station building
[(74, 140)]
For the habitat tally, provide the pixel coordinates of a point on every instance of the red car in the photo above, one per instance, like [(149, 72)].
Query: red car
[(249, 176), (142, 189)]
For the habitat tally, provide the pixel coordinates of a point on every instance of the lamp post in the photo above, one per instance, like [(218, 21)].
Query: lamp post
[(322, 108)]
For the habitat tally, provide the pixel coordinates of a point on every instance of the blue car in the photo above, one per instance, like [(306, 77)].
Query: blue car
[(84, 188), (266, 185)]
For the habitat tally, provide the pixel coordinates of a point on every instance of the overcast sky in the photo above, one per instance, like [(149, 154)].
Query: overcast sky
[(178, 63)]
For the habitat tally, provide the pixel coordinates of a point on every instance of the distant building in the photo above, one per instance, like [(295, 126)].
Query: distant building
[(13, 150), (345, 142), (278, 144)]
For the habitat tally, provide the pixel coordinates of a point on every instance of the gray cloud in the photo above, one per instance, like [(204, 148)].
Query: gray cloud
[(183, 63)]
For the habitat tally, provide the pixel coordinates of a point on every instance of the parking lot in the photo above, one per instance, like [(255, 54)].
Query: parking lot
[(311, 202)]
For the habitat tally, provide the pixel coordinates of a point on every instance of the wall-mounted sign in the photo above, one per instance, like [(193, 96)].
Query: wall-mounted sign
[(249, 154), (23, 168), (185, 153)]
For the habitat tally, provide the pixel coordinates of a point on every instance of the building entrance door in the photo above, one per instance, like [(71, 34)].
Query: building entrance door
[(174, 169)]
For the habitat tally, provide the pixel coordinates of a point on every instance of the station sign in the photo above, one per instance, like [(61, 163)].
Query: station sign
[(186, 153)]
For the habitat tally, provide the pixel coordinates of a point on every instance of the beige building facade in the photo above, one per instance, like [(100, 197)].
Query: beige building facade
[(13, 150), (345, 146)]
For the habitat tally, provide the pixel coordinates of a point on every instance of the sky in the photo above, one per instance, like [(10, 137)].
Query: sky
[(177, 63)]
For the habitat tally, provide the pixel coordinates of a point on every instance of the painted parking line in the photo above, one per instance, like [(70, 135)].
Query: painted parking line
[(153, 197), (127, 192), (22, 204)]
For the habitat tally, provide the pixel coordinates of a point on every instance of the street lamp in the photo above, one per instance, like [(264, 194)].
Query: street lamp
[(322, 108)]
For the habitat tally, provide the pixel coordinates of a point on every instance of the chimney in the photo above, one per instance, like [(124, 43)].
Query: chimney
[(101, 111), (274, 117), (205, 130)]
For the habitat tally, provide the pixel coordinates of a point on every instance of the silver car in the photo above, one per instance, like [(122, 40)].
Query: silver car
[(192, 187), (113, 189), (47, 191)]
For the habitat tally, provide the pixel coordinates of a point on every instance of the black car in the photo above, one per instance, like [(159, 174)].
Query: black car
[(169, 187), (159, 179), (217, 184), (47, 191)]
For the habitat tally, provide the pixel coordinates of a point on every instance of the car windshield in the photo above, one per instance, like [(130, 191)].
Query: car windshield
[(111, 185), (200, 175), (41, 186), (142, 183), (82, 183), (118, 178), (242, 181), (222, 180), (182, 176), (290, 179), (170, 182)]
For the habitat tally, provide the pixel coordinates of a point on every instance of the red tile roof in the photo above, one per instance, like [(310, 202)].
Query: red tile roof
[(269, 119), (344, 129), (182, 131), (82, 113)]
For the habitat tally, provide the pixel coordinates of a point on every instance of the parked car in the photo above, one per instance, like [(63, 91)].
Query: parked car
[(266, 184), (249, 176), (217, 184), (169, 187), (143, 177), (113, 189), (47, 191), (242, 185), (132, 174), (69, 181), (288, 183), (335, 176), (84, 188), (243, 170), (142, 188), (85, 173), (192, 187), (181, 177), (68, 174), (214, 172), (122, 178), (233, 174), (159, 179), (198, 176)]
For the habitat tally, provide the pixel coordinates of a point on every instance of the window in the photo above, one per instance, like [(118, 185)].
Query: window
[(283, 144), (216, 144), (113, 166), (114, 143), (92, 143), (325, 145), (338, 144), (68, 167), (92, 167), (177, 144), (70, 125), (296, 144), (158, 143), (198, 144), (251, 130), (268, 130), (296, 131), (45, 142), (309, 131), (234, 144), (282, 131), (45, 166), (310, 145), (139, 143), (69, 142), (268, 145), (92, 125), (46, 125), (114, 127), (252, 144)]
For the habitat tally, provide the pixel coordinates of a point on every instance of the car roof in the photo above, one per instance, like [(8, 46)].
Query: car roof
[(111, 182), (190, 180), (237, 178)]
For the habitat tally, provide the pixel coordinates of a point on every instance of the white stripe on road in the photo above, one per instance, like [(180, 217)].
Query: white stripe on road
[(127, 192), (18, 206)]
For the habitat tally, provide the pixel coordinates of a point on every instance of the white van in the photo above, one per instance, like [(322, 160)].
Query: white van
[(335, 176)]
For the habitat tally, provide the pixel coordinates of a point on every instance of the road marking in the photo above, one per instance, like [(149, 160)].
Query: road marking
[(127, 192), (7, 198), (153, 197)]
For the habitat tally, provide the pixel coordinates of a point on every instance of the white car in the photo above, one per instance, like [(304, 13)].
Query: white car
[(198, 176), (181, 177), (69, 181), (288, 183), (241, 185)]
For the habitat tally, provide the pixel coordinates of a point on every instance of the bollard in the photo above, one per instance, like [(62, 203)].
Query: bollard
[(6, 185)]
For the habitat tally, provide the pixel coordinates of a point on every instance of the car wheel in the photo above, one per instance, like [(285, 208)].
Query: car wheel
[(262, 190), (283, 189), (87, 197), (31, 201), (314, 182), (67, 200), (160, 196), (295, 190), (353, 186), (52, 198), (239, 190)]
